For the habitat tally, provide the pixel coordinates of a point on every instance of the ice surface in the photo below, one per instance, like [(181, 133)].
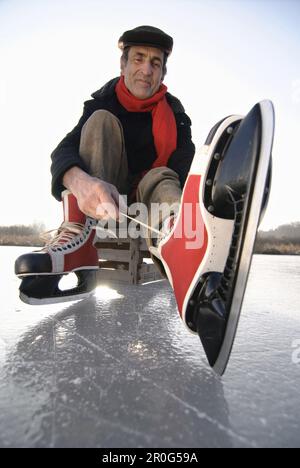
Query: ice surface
[(120, 369)]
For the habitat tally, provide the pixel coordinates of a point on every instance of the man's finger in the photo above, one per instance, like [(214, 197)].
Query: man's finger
[(101, 212), (123, 208)]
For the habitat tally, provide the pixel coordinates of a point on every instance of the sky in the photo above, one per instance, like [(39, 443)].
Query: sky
[(227, 56)]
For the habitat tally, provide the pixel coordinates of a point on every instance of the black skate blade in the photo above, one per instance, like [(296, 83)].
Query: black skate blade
[(218, 298), (44, 289)]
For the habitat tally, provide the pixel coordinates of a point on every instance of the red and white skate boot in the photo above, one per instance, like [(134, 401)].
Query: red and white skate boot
[(70, 250), (207, 254)]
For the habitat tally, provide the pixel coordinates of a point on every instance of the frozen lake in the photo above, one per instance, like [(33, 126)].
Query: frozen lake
[(120, 369)]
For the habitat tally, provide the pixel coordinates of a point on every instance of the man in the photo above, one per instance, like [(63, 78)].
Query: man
[(133, 138)]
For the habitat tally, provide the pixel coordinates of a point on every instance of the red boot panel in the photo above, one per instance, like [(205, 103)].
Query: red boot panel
[(182, 260), (84, 257)]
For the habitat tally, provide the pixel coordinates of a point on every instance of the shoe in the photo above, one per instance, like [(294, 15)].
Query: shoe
[(207, 254), (69, 250)]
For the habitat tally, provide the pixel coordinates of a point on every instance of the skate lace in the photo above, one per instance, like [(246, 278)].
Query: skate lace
[(64, 234), (167, 226)]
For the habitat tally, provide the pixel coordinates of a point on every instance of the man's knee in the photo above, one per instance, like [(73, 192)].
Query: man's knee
[(159, 175), (100, 119), (160, 184)]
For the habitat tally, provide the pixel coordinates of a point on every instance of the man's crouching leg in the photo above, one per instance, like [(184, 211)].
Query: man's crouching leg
[(102, 148), (160, 191)]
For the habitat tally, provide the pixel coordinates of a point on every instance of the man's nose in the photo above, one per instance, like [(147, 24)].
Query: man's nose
[(147, 68)]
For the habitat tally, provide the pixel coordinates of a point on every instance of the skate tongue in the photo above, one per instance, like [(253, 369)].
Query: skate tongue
[(65, 233), (164, 231), (72, 213)]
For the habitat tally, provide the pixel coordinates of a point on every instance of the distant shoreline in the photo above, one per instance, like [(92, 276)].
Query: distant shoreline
[(284, 240), (35, 242), (261, 247), (274, 247)]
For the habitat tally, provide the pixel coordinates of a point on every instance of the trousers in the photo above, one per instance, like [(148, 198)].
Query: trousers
[(102, 148)]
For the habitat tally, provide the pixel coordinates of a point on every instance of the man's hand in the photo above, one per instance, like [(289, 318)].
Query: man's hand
[(95, 198)]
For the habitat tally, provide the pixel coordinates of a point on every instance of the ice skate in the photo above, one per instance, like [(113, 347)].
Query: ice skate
[(70, 250), (223, 199)]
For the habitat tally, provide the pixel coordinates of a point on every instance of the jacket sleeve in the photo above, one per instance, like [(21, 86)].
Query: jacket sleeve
[(66, 155), (181, 159)]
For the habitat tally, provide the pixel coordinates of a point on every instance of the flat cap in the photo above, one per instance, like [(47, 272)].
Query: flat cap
[(146, 36)]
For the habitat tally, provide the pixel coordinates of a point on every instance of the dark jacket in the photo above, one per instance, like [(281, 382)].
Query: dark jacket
[(137, 127)]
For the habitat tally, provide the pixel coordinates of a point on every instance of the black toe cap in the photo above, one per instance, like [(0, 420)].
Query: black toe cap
[(33, 263)]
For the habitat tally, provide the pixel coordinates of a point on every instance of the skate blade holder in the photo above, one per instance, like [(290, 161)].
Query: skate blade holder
[(45, 289)]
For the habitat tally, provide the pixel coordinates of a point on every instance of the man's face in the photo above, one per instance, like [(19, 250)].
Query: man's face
[(143, 72)]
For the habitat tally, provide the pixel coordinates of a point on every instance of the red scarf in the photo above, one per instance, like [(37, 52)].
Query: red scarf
[(163, 120)]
